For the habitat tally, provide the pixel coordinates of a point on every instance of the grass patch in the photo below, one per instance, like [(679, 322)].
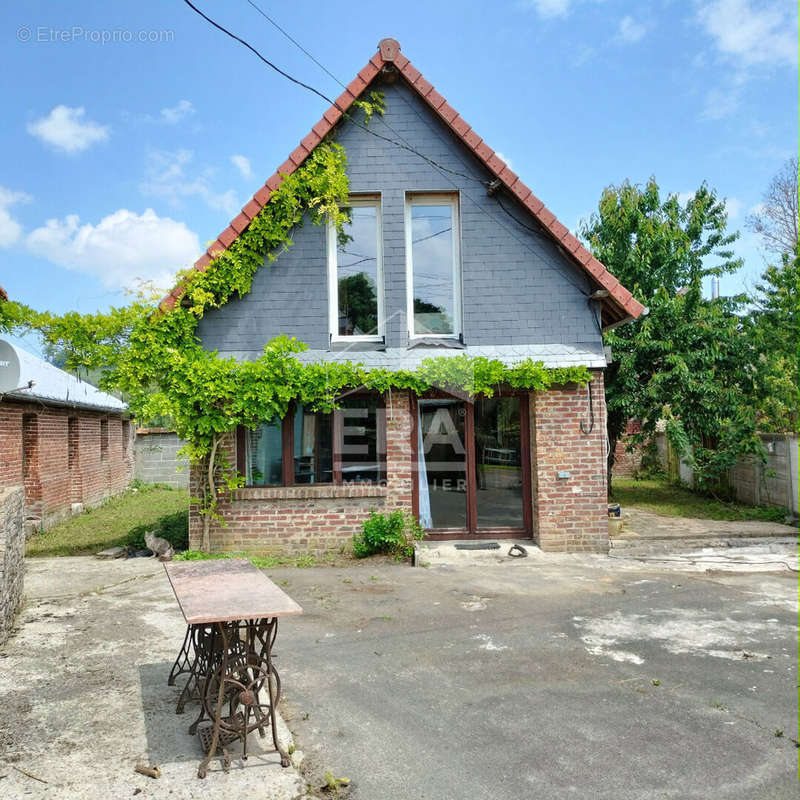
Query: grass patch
[(667, 500), (262, 562), (120, 520)]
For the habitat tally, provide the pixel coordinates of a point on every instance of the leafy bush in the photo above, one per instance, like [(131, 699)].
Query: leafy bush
[(393, 533), (172, 527)]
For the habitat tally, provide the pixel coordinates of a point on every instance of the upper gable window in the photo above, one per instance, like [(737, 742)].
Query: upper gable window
[(433, 265), (355, 272)]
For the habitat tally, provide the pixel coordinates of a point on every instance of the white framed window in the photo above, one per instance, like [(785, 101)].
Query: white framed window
[(355, 273), (433, 265)]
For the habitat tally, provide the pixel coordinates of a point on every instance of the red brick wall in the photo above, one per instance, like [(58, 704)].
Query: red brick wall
[(56, 474), (570, 514), (315, 518), (627, 463)]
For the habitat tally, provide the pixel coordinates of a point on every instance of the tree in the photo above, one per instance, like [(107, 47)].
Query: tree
[(687, 361), (777, 219), (774, 328)]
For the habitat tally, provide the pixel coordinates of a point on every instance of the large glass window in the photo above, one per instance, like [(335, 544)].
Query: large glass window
[(355, 273), (264, 462), (313, 446), (432, 248), (346, 446), (361, 448)]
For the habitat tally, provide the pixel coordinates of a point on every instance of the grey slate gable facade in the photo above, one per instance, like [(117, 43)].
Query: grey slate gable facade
[(520, 295), (518, 464)]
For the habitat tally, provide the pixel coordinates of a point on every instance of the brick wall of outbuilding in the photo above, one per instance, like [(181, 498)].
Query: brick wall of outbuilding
[(570, 513), (311, 518), (98, 465)]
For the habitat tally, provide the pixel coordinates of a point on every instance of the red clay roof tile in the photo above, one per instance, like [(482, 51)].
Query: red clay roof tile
[(400, 61), (472, 139), (298, 155), (344, 100), (410, 72), (227, 237), (389, 52), (521, 191), (253, 207), (448, 113), (435, 99), (322, 128), (261, 197), (368, 72), (240, 223), (423, 86)]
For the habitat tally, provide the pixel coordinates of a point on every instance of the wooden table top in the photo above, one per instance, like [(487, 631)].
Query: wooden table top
[(226, 589)]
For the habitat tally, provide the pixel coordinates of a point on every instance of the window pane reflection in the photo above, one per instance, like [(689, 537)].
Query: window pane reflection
[(498, 458)]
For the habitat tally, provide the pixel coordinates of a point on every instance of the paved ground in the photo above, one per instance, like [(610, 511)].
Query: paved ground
[(83, 694), (640, 524), (550, 677)]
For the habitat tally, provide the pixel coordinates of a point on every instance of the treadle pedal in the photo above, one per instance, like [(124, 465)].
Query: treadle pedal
[(226, 737)]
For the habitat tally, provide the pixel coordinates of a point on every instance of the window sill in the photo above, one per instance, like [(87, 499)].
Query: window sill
[(318, 491), (357, 344), (453, 342)]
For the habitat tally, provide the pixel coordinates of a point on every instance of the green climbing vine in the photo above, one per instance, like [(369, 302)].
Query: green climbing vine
[(155, 357)]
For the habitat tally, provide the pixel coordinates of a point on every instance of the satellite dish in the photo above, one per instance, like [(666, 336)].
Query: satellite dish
[(9, 367)]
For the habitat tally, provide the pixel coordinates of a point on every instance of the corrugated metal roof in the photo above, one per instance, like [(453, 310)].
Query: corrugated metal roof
[(53, 385)]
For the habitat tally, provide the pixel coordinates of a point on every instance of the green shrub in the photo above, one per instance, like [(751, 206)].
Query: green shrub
[(393, 534), (172, 527)]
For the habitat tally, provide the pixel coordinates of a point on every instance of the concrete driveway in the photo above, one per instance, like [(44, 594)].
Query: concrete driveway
[(84, 695), (552, 677)]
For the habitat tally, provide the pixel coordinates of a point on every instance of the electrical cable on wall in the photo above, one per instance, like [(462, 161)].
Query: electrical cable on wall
[(586, 430)]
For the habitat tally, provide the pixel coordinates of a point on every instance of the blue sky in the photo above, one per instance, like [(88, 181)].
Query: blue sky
[(121, 159)]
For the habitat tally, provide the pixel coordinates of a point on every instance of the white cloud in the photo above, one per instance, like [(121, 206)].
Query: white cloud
[(549, 8), (123, 249), (10, 229), (243, 165), (721, 103), (733, 206), (552, 9), (65, 129), (630, 30), (165, 176), (176, 113), (750, 33), (509, 162)]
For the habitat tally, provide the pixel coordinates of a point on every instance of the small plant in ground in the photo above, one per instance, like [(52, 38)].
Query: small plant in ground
[(392, 534), (262, 562)]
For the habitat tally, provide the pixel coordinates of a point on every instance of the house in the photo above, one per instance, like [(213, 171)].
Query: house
[(68, 443), (449, 252)]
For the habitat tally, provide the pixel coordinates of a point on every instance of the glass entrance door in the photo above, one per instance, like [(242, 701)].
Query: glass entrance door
[(498, 461), (442, 464), (473, 463)]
